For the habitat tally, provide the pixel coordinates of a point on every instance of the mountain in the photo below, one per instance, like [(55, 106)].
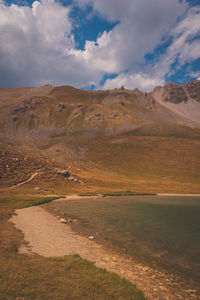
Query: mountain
[(183, 100), (108, 139)]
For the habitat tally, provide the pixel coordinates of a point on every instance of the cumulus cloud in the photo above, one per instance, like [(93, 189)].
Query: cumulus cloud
[(130, 81), (185, 47), (38, 47), (195, 75), (140, 28), (118, 10)]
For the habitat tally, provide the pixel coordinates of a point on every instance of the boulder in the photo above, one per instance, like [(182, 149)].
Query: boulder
[(64, 173), (62, 220)]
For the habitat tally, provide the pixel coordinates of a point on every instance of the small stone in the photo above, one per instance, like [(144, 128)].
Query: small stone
[(64, 173), (63, 221)]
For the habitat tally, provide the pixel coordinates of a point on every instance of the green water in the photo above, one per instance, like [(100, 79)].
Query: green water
[(161, 231)]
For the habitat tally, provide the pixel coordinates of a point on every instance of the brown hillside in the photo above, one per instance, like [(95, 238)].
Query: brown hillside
[(110, 140)]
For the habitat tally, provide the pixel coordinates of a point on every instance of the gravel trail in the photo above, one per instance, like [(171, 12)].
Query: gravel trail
[(23, 182)]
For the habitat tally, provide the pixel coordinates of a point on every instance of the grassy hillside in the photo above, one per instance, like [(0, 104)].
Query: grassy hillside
[(142, 164), (150, 164)]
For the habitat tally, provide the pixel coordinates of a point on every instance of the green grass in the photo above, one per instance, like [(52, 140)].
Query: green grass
[(127, 193), (160, 231), (88, 194), (39, 201), (35, 277)]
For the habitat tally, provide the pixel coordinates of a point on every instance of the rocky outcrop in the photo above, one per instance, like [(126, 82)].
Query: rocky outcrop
[(26, 105), (68, 176), (64, 173), (192, 89), (184, 100), (172, 92), (61, 107)]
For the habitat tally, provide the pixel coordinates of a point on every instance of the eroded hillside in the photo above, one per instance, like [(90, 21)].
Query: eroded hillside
[(108, 140)]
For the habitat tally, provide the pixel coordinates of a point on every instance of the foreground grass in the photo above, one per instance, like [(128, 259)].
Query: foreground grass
[(36, 277)]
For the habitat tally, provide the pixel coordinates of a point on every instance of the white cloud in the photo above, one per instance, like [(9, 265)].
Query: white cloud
[(37, 45), (184, 48), (195, 75), (131, 81), (140, 29)]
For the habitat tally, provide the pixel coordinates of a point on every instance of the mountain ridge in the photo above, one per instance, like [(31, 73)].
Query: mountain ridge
[(108, 140), (66, 110)]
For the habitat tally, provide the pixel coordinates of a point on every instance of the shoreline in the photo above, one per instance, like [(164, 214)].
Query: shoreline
[(99, 196), (47, 236)]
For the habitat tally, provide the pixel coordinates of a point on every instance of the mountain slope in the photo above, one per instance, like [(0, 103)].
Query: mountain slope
[(110, 140), (183, 100), (47, 111)]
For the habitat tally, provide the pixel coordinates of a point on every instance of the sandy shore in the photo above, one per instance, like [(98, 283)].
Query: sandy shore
[(45, 235)]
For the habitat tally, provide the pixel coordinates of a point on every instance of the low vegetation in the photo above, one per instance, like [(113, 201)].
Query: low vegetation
[(35, 277), (126, 193)]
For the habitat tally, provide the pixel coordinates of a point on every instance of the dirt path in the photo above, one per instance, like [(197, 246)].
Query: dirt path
[(23, 182), (46, 236)]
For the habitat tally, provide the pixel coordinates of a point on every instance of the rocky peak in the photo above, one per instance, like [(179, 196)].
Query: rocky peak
[(174, 93), (192, 89)]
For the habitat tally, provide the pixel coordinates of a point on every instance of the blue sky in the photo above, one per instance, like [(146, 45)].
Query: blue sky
[(99, 44)]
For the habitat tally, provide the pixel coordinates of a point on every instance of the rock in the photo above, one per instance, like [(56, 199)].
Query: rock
[(63, 221), (192, 89), (64, 173), (74, 179), (174, 93), (91, 237), (61, 107), (79, 106)]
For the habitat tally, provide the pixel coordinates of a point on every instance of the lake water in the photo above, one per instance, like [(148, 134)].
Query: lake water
[(162, 231)]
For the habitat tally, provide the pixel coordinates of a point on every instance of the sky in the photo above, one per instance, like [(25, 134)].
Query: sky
[(99, 44)]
